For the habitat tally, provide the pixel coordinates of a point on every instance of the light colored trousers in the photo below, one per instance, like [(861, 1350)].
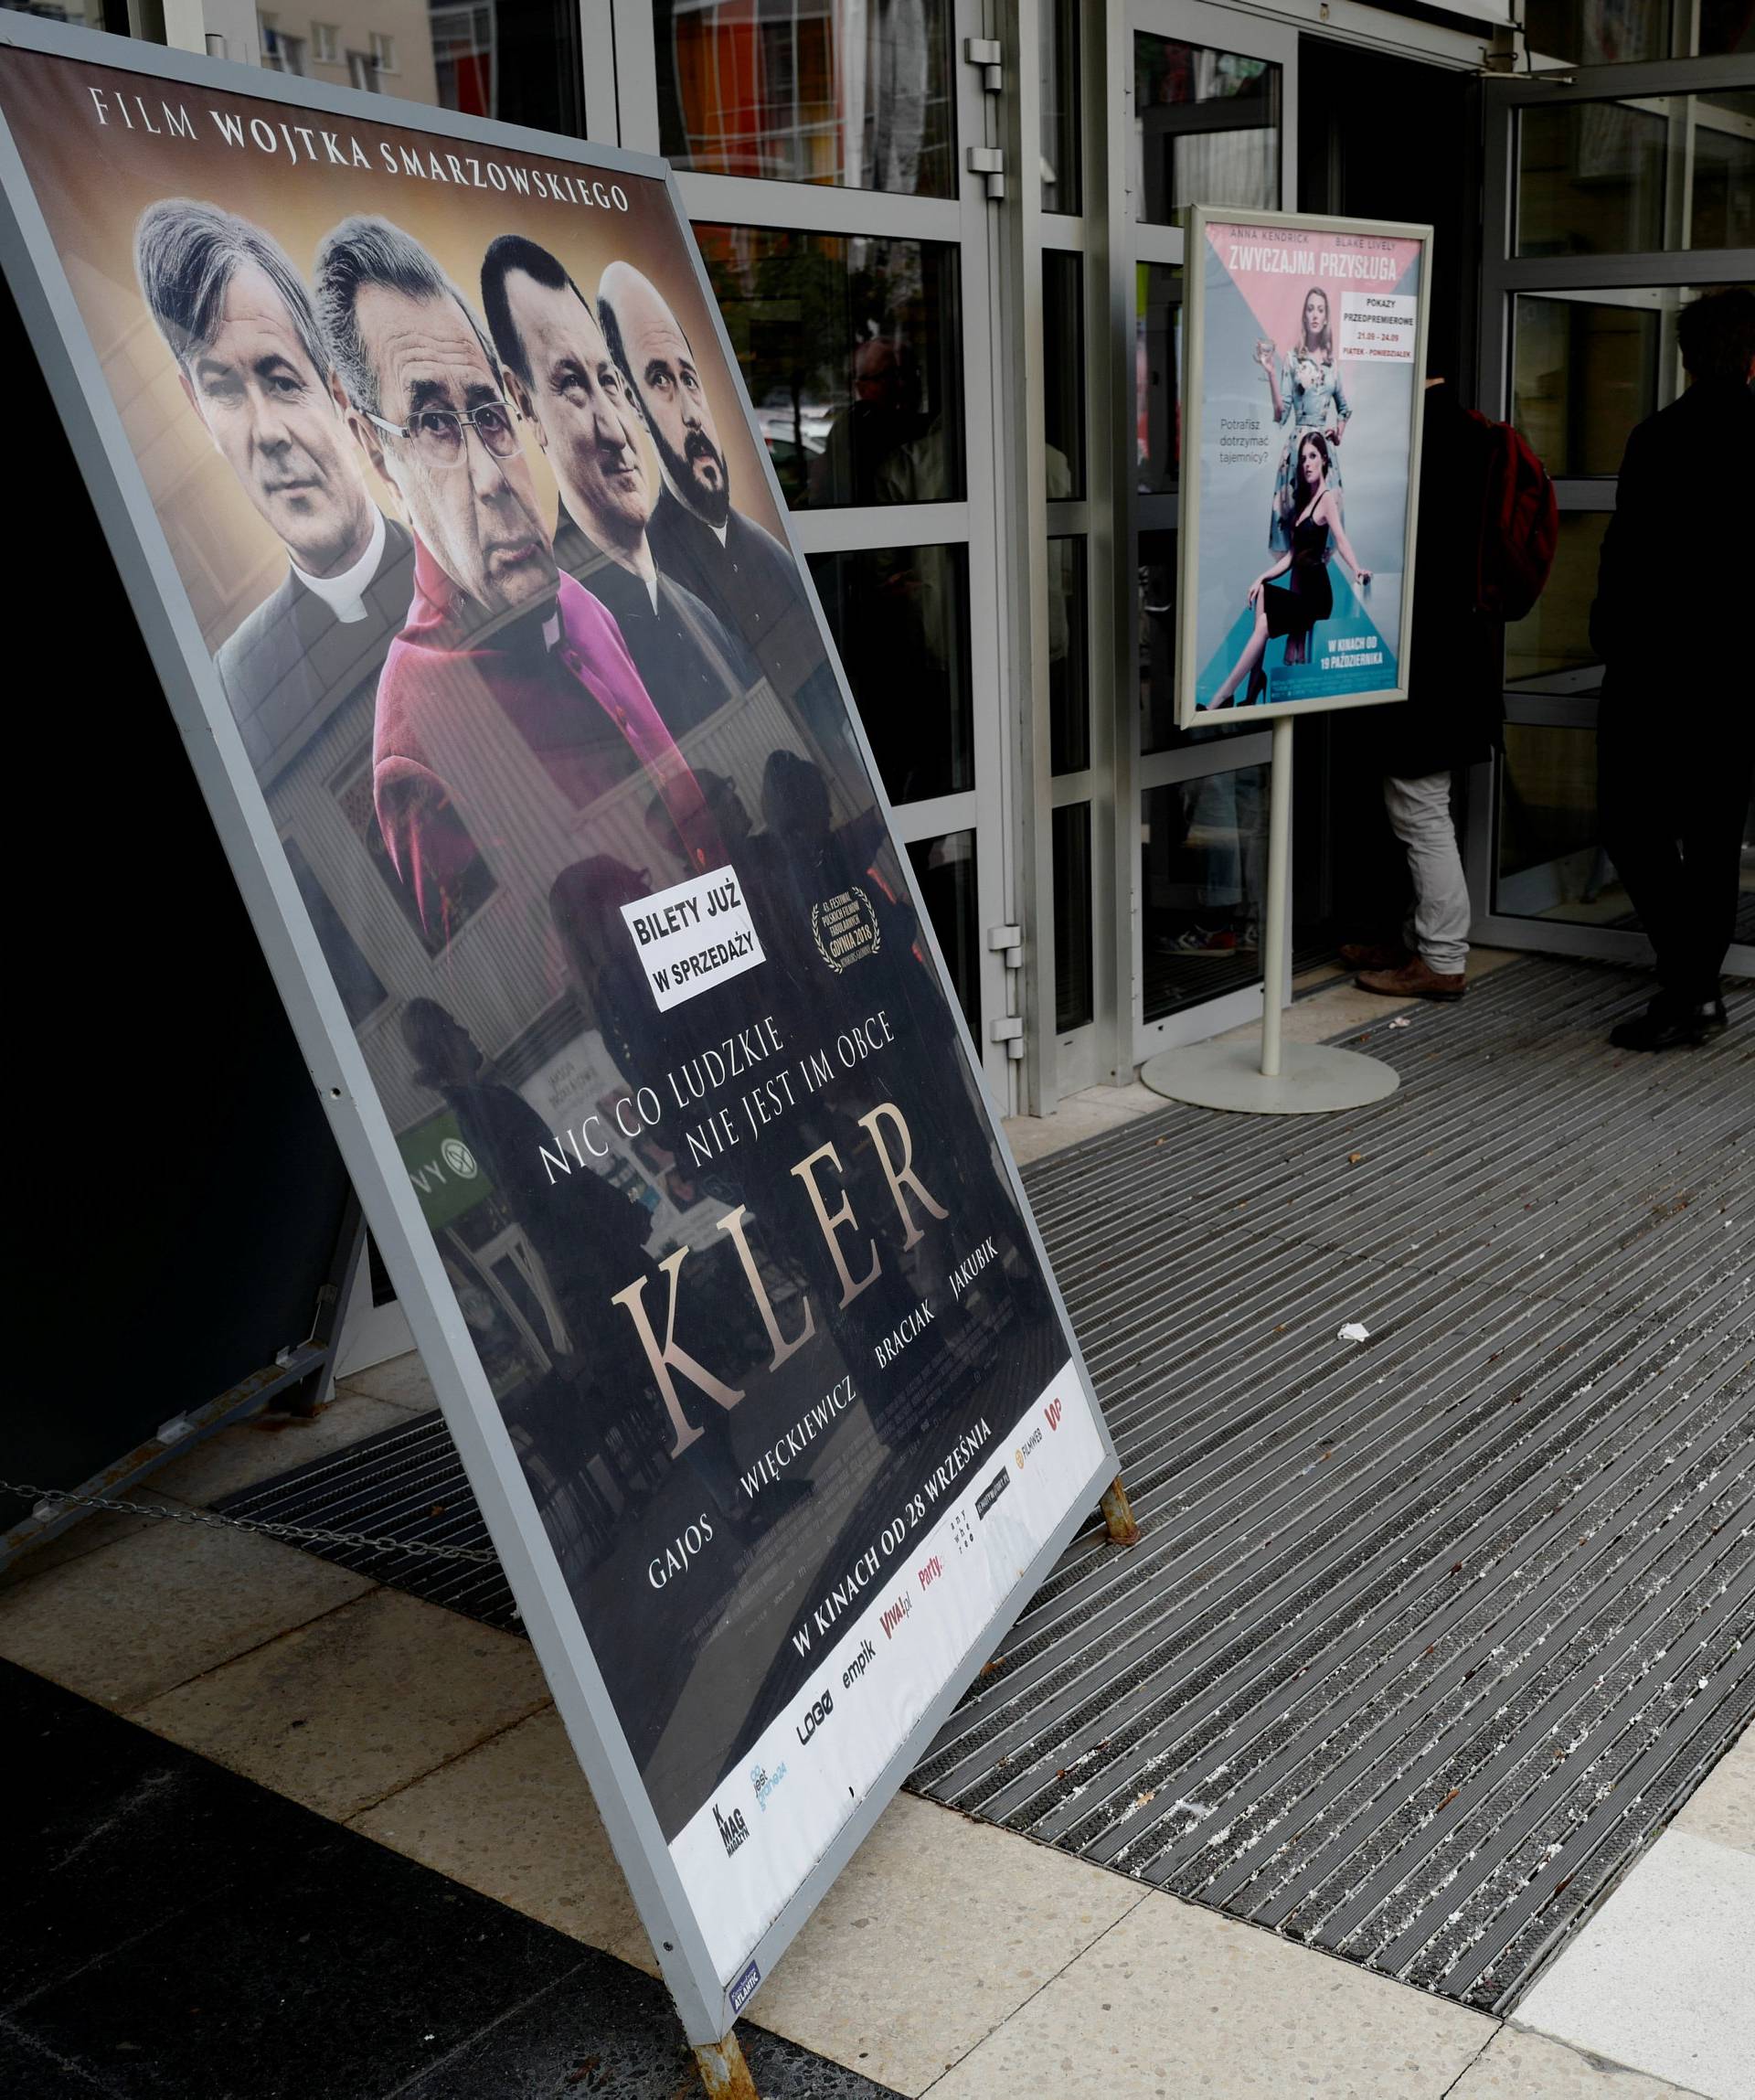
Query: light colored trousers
[(1419, 815)]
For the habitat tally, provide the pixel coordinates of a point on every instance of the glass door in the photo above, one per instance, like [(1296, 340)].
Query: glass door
[(823, 150), (1210, 119), (1612, 198)]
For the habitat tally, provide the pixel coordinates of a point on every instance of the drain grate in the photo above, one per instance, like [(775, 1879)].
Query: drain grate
[(1427, 1636)]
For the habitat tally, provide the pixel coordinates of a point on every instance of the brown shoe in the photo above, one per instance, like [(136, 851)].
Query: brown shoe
[(1416, 979), (1373, 955)]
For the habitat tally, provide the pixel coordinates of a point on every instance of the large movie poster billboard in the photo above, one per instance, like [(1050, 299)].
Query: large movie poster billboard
[(439, 499), (1306, 357)]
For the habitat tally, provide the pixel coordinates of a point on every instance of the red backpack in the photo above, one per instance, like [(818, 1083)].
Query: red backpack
[(1520, 523)]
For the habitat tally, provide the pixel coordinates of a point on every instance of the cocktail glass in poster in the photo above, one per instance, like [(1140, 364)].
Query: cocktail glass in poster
[(515, 706), (1305, 356)]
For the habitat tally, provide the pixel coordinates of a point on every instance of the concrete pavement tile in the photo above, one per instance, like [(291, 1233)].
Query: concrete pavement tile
[(102, 1527), (1518, 2066), (151, 1610), (1723, 1805), (402, 1381), (1082, 1115), (269, 1445), (344, 1712), (515, 1820), (1659, 1980), (936, 1931), (1177, 2002)]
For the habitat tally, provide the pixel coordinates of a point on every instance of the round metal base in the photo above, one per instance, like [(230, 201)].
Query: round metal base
[(1315, 1079)]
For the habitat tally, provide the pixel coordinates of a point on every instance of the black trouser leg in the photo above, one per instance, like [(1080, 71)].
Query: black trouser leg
[(1712, 840), (1641, 825)]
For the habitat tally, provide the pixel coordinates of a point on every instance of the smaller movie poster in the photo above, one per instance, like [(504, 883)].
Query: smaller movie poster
[(1305, 352)]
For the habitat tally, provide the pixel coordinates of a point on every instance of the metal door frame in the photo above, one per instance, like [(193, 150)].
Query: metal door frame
[(1569, 701), (968, 220)]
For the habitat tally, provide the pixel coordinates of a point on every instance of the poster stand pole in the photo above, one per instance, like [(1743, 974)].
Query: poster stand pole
[(1279, 1078)]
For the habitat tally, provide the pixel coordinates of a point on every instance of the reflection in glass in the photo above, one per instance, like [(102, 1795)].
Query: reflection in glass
[(1590, 180), (1157, 619), (1059, 51), (945, 871), (1203, 862), (1551, 864), (1585, 371), (1556, 637), (855, 92), (1069, 658), (1074, 1001), (900, 620), (84, 14), (849, 347), (1721, 208), (1158, 361), (1205, 128), (1063, 371), (1598, 32)]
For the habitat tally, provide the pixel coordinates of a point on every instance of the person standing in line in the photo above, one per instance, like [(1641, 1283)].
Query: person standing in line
[(1452, 717), (1676, 728)]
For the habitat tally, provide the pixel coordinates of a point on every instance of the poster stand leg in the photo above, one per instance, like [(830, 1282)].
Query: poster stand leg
[(1280, 1078), (723, 2072), (1118, 1514)]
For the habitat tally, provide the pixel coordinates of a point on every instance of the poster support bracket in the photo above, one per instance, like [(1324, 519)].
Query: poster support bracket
[(725, 2074), (1277, 1078)]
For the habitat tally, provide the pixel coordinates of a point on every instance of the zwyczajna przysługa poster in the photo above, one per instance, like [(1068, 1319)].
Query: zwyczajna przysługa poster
[(1309, 349), (470, 512)]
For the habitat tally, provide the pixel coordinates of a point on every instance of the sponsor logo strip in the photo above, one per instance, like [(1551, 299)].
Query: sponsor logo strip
[(871, 1688)]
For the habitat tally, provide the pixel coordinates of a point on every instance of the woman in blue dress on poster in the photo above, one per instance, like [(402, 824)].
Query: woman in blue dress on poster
[(1316, 533), (1307, 395)]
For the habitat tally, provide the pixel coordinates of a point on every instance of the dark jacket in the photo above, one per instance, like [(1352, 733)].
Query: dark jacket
[(287, 666), (1667, 619), (687, 657), (751, 583), (1455, 712)]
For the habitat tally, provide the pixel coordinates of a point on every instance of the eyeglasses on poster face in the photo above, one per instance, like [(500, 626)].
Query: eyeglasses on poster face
[(437, 435)]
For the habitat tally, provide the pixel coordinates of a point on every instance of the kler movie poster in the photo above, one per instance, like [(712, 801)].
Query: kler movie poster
[(465, 499), (1306, 344)]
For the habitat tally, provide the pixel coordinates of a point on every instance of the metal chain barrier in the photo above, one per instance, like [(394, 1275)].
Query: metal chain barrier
[(305, 1534)]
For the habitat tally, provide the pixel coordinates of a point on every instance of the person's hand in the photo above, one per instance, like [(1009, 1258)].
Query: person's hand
[(1255, 590), (1332, 433), (1264, 356), (1365, 578)]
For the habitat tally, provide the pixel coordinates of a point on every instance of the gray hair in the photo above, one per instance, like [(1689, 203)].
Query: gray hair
[(363, 252), (185, 256)]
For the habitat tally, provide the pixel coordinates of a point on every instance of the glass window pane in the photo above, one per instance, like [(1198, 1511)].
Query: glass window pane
[(1556, 637), (1590, 180), (1073, 997), (1585, 372), (1157, 361), (1727, 28), (1063, 371), (1203, 874), (518, 61), (1598, 32), (900, 620), (832, 91), (945, 871), (1059, 52), (850, 350), (1069, 658), (1551, 864), (1721, 209), (1205, 128), (1157, 603)]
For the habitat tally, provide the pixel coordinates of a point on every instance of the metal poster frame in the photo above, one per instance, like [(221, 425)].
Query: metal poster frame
[(1198, 217), (118, 490)]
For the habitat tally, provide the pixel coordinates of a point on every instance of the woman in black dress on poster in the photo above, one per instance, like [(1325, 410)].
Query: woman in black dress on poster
[(1293, 612)]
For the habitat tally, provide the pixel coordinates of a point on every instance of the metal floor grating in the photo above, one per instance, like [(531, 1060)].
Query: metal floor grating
[(1427, 1636)]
